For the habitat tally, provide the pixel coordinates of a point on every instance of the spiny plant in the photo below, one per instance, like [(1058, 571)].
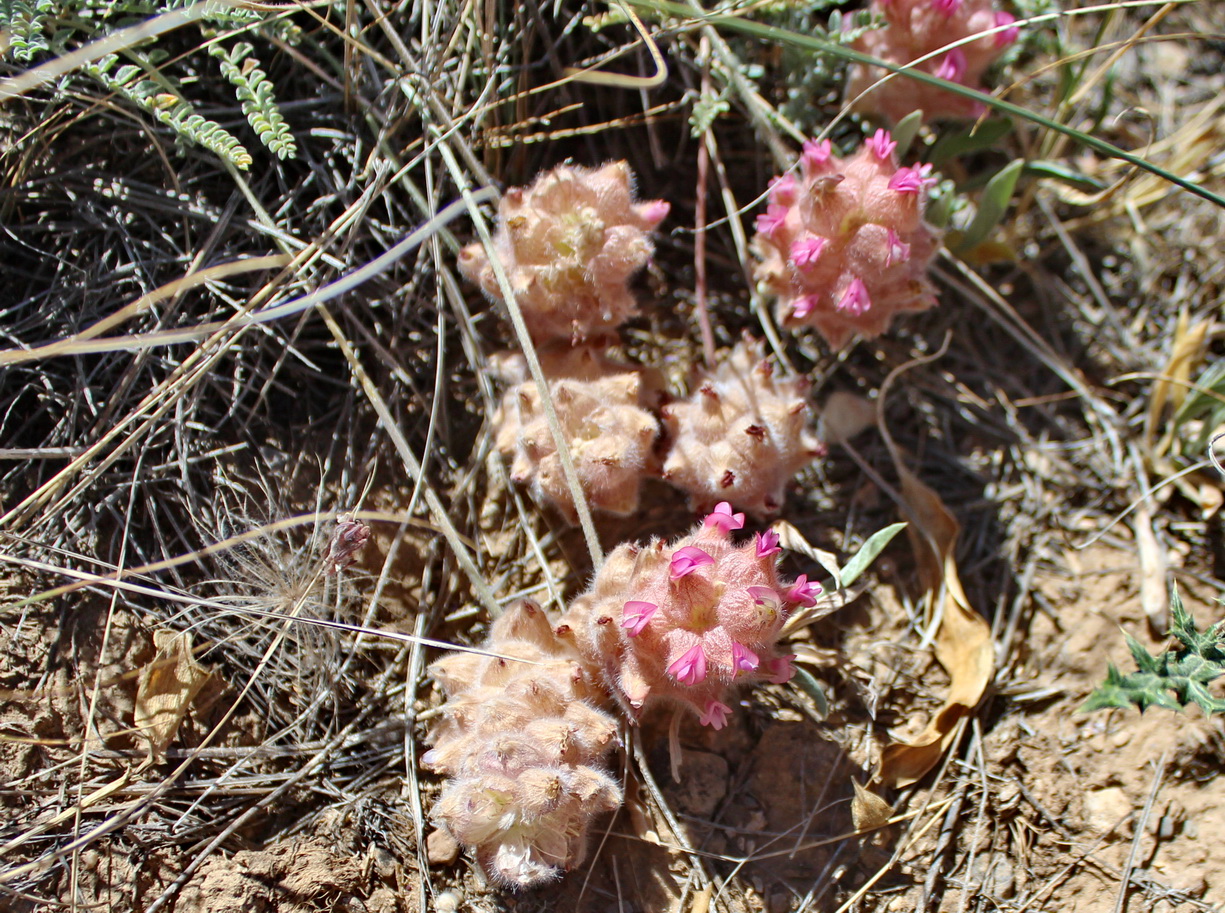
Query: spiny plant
[(685, 622), (570, 243), (39, 27), (844, 246), (914, 29), (1173, 678), (741, 435)]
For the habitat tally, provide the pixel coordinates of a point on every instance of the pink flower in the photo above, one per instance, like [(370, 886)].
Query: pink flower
[(766, 596), (815, 154), (690, 668), (773, 219), (910, 180), (803, 593), (882, 144), (637, 614), (715, 715), (743, 659), (805, 251), (780, 669), (723, 519), (953, 67), (897, 251), (782, 190), (855, 300), (947, 7), (1008, 36), (804, 306), (767, 543), (687, 560)]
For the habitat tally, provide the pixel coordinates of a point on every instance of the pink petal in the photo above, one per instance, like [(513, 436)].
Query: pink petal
[(723, 519), (687, 560), (690, 668), (654, 211), (1008, 36), (911, 180), (772, 220), (805, 251), (715, 715), (767, 543), (637, 614), (855, 300), (766, 596), (953, 67), (782, 190), (743, 659), (947, 7), (780, 670), (804, 593), (803, 306), (882, 145), (816, 154)]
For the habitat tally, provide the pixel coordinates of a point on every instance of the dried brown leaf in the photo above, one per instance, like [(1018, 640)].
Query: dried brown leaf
[(963, 640), (868, 810), (166, 688)]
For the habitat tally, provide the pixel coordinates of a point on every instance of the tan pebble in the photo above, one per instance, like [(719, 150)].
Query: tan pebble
[(1104, 808), (441, 848)]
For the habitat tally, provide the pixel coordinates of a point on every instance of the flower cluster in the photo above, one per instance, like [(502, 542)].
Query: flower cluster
[(521, 741), (600, 407), (741, 435), (844, 246), (918, 28), (570, 243), (686, 621)]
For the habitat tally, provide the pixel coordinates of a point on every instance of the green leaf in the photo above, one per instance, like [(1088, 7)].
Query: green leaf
[(1061, 172), (807, 683), (987, 135), (906, 130), (866, 555), (993, 204)]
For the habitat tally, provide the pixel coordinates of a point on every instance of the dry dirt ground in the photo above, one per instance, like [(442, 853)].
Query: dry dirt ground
[(287, 778)]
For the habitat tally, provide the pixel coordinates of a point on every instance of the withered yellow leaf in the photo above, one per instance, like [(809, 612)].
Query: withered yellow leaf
[(166, 688), (963, 640), (1170, 388)]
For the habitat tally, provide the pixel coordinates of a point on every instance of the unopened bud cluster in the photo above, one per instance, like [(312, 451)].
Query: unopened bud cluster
[(570, 243), (600, 407), (741, 435), (522, 741), (687, 621), (915, 29), (844, 246)]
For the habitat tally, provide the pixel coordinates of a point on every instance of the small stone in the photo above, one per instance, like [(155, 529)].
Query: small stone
[(1105, 808), (441, 848)]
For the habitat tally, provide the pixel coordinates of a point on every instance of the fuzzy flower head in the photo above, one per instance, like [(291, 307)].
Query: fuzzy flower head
[(739, 438), (916, 28), (570, 243), (852, 250), (600, 405), (686, 621), (522, 747)]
